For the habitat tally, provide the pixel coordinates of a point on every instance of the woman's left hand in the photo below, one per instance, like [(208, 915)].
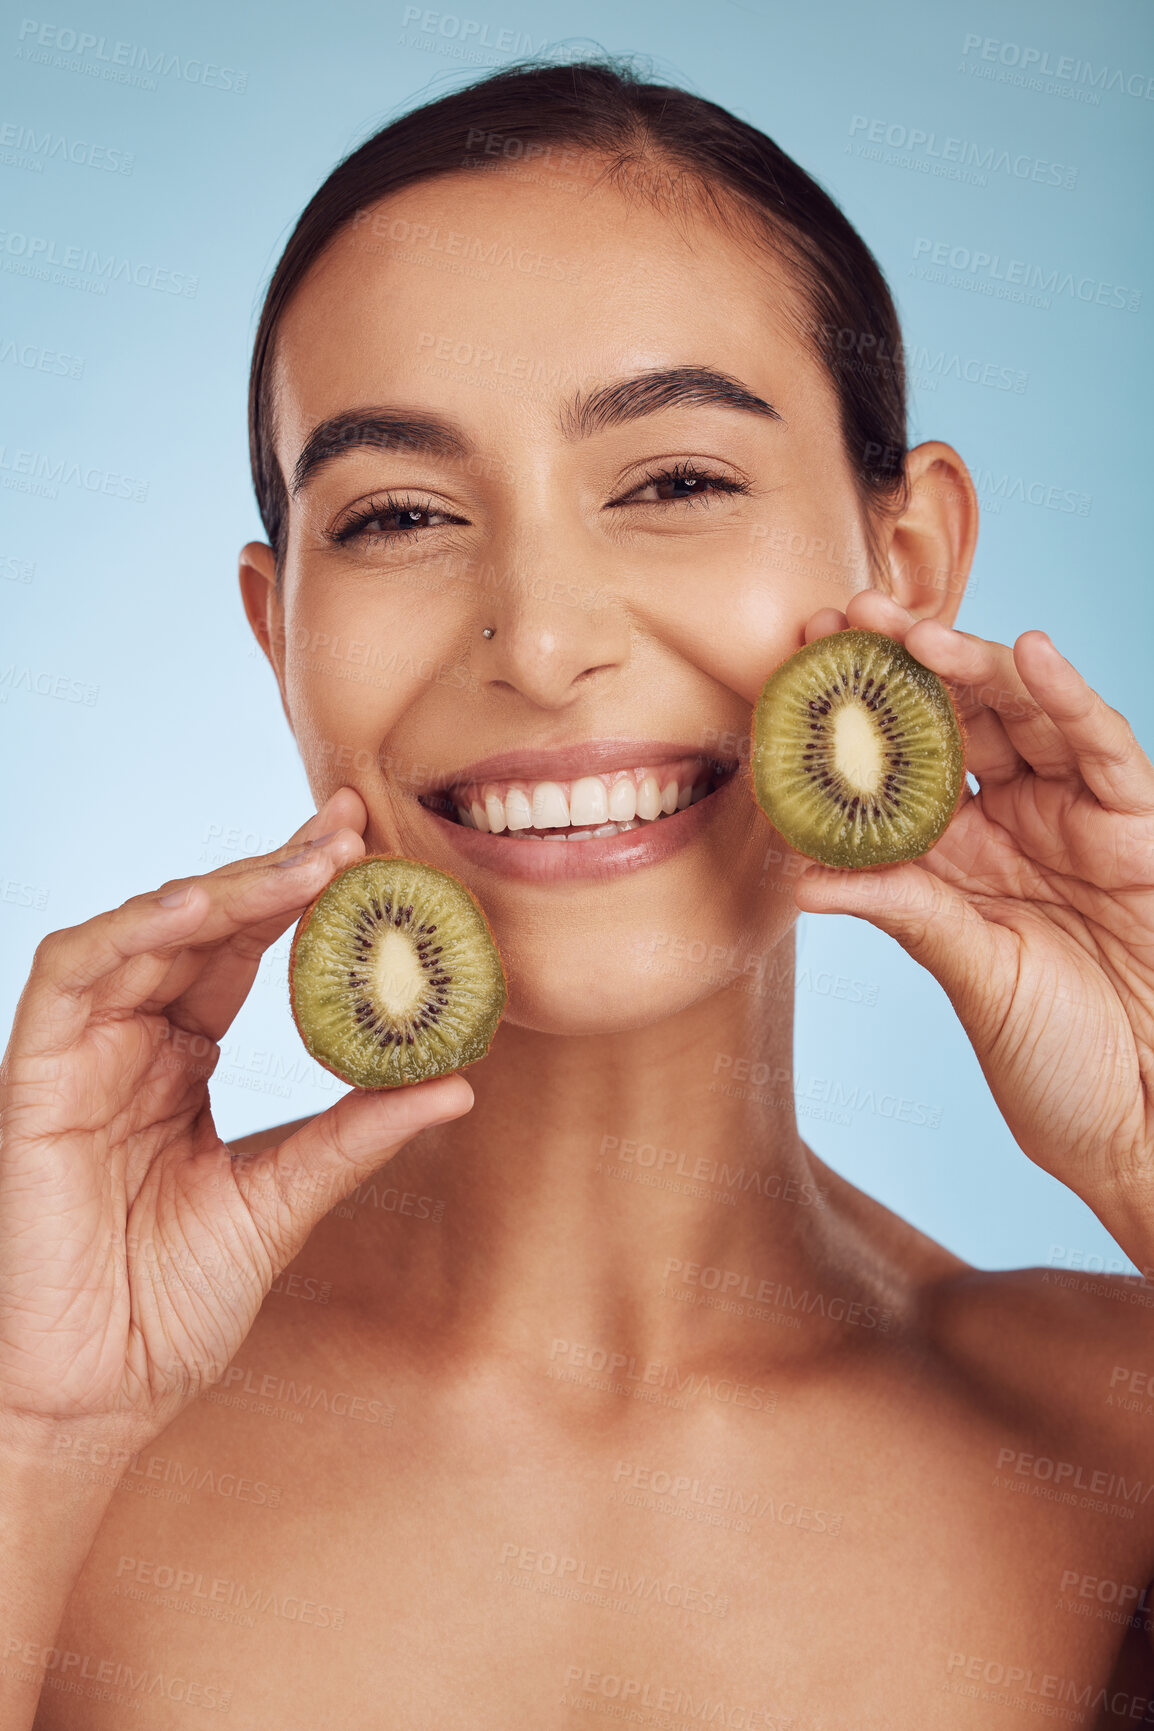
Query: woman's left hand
[(1035, 910)]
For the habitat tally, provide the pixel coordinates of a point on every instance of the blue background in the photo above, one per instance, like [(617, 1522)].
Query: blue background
[(144, 737)]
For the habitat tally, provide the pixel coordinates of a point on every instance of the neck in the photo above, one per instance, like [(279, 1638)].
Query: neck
[(611, 1192)]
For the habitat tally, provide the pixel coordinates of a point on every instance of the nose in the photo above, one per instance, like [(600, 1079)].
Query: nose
[(554, 638)]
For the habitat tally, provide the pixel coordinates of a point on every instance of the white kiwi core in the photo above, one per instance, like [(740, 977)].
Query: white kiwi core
[(399, 983), (857, 749)]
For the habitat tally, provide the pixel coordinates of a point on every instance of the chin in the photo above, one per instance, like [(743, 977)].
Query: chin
[(581, 989)]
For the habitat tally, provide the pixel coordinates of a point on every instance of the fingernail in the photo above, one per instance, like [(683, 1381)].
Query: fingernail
[(175, 898), (318, 839)]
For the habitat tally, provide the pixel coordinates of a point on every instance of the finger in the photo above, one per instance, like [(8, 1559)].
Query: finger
[(207, 988), (288, 1190), (1007, 734), (150, 986), (221, 977), (143, 937), (874, 610), (53, 1009), (1108, 757), (344, 809), (990, 754), (822, 623), (983, 677), (96, 948), (212, 977), (933, 922)]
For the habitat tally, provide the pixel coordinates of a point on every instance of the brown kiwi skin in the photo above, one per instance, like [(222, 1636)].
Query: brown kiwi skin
[(365, 859), (962, 788)]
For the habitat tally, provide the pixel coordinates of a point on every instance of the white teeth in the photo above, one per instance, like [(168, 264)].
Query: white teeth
[(588, 800), (649, 798), (623, 800), (518, 811), (494, 810), (550, 807), (595, 806)]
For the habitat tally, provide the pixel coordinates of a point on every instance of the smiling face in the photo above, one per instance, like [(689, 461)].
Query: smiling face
[(644, 558)]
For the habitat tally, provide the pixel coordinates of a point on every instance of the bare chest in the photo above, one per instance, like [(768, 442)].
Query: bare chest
[(312, 1552)]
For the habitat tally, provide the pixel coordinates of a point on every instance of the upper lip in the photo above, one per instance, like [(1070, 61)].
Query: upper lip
[(564, 762)]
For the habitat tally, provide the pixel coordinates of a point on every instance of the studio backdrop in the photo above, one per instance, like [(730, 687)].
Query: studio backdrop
[(153, 160)]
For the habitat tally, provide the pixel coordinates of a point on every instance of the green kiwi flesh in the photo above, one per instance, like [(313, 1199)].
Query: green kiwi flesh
[(857, 755), (394, 975)]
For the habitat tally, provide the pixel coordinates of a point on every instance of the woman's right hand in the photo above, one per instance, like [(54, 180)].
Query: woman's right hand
[(135, 1250)]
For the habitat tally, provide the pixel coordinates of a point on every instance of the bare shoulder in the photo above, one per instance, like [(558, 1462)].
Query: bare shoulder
[(1061, 1367), (1073, 1351), (1068, 1360), (1074, 1334)]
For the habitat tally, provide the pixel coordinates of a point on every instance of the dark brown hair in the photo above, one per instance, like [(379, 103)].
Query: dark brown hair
[(677, 151)]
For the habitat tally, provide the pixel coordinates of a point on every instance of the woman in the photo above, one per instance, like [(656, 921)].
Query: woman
[(549, 389)]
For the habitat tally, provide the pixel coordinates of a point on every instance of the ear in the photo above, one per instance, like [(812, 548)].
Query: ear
[(931, 545), (264, 609)]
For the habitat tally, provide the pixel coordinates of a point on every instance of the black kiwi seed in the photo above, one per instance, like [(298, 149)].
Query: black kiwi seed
[(857, 775), (374, 1001)]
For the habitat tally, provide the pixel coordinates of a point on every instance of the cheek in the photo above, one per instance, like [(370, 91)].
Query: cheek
[(356, 659), (338, 693), (737, 625), (819, 560)]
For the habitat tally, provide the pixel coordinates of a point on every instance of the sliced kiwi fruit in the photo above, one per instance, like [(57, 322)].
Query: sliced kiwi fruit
[(394, 974), (858, 755)]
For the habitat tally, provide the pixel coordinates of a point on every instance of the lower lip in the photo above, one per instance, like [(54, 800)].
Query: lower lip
[(601, 857)]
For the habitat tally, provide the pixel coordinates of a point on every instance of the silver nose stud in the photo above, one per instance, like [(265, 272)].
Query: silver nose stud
[(488, 631)]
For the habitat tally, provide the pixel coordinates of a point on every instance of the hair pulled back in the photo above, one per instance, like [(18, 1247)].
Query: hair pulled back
[(680, 153)]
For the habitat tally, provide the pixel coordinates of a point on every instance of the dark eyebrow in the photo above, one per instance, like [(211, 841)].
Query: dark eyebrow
[(588, 413)]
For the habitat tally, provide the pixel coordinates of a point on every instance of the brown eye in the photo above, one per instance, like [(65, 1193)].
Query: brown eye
[(390, 519), (684, 485)]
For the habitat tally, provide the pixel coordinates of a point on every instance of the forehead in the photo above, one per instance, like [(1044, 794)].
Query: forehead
[(501, 299)]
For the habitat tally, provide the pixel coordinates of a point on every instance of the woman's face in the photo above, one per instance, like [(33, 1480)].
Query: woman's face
[(632, 630)]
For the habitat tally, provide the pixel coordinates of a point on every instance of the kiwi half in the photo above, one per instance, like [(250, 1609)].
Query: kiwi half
[(394, 974), (858, 755)]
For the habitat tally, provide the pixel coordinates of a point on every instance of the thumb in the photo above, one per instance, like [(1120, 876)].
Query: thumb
[(932, 922), (322, 1162)]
